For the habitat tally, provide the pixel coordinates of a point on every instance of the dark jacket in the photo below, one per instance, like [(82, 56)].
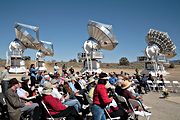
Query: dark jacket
[(14, 104)]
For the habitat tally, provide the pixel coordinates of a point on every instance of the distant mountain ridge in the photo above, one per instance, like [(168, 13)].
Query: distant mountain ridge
[(175, 61)]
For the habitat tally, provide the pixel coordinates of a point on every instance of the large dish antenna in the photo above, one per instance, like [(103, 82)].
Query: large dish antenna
[(162, 41), (102, 34), (101, 37), (25, 40), (160, 47), (24, 36)]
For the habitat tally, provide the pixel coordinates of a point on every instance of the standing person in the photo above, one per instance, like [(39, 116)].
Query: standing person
[(161, 78), (100, 98), (18, 107), (56, 68), (64, 69), (71, 70), (4, 78), (5, 73), (33, 71)]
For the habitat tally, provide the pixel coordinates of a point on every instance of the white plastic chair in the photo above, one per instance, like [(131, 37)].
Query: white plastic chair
[(127, 107), (151, 85), (110, 118), (176, 85), (51, 118), (135, 104), (168, 84)]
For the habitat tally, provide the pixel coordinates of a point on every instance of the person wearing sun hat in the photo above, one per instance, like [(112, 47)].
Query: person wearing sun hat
[(91, 87), (129, 95), (122, 90), (55, 106), (100, 98)]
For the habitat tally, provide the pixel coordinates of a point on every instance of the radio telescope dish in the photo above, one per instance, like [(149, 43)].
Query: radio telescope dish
[(24, 40), (102, 34), (160, 47), (101, 37), (25, 37), (163, 41)]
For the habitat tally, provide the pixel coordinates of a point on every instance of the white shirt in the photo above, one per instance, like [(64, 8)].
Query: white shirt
[(55, 93), (56, 68)]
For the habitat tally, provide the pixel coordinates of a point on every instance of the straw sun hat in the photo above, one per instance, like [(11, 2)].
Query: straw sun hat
[(125, 84), (47, 88), (91, 80)]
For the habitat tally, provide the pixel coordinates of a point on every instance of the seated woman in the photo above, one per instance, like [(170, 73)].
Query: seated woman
[(65, 100), (123, 91), (55, 107)]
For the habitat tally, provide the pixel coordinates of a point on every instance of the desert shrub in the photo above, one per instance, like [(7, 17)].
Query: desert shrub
[(172, 65), (124, 61)]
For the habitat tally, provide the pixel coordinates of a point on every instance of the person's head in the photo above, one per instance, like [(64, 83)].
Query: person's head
[(13, 83), (32, 66), (55, 64), (150, 75), (47, 88), (125, 84), (91, 80), (47, 77), (54, 83), (161, 76), (103, 78), (7, 67), (25, 78), (157, 74)]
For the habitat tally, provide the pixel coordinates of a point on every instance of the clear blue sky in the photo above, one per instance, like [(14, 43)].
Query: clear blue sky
[(64, 23)]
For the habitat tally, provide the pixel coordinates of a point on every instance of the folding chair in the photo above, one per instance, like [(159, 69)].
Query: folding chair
[(50, 116), (116, 118), (176, 85), (159, 84), (44, 105), (168, 84), (135, 104), (151, 85), (127, 107)]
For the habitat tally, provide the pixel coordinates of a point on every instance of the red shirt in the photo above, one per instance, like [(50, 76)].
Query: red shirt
[(53, 104), (100, 96)]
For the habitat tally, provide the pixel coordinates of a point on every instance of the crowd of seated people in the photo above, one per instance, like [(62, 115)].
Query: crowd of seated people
[(71, 95)]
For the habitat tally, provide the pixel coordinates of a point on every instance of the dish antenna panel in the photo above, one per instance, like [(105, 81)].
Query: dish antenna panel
[(23, 41), (160, 47), (101, 37)]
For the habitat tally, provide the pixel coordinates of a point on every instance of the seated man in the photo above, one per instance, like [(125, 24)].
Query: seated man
[(18, 107)]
